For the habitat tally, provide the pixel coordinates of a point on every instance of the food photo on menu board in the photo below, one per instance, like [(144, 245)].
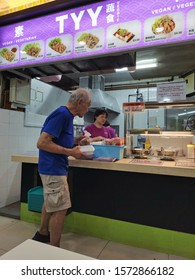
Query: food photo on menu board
[(163, 25), (124, 34), (32, 51), (191, 22), (9, 55), (167, 26), (59, 46), (91, 40)]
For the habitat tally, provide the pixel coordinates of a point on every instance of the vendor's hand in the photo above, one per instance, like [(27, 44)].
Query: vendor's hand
[(98, 138), (83, 140)]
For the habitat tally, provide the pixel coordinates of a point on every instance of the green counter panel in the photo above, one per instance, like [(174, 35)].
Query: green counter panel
[(156, 239)]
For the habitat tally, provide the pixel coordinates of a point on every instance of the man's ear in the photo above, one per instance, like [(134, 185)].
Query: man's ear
[(79, 101)]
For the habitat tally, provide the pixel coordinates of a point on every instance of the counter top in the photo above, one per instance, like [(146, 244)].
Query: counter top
[(180, 168)]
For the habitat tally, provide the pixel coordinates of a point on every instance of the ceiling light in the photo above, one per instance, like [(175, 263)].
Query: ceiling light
[(121, 69), (144, 66), (166, 100), (187, 113), (147, 63)]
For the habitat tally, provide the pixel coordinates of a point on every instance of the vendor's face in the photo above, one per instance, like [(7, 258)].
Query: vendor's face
[(101, 119)]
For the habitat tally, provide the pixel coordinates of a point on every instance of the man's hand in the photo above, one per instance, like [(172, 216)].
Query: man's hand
[(76, 153)]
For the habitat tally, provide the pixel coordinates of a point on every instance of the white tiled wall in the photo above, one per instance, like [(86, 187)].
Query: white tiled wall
[(15, 138)]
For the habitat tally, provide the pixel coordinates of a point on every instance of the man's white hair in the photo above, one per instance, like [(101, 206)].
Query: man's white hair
[(82, 94)]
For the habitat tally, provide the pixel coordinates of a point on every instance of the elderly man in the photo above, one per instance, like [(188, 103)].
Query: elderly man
[(55, 144)]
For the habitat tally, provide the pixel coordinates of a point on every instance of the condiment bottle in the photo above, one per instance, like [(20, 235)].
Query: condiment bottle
[(147, 143)]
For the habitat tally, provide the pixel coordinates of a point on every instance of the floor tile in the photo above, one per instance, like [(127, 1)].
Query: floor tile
[(6, 222), (12, 210), (2, 252), (115, 251), (173, 257), (16, 234), (82, 244), (13, 232)]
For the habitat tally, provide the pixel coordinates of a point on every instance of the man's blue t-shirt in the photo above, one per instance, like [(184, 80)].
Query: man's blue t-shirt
[(59, 124)]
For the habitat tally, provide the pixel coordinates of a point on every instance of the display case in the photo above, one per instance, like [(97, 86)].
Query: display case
[(160, 130)]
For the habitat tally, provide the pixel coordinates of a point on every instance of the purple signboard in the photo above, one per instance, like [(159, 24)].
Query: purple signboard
[(104, 27)]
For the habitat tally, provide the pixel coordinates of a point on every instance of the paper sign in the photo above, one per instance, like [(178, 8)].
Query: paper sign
[(171, 91)]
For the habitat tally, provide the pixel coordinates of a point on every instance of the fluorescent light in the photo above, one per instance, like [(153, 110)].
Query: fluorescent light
[(166, 100), (121, 69), (182, 114), (144, 66), (147, 63)]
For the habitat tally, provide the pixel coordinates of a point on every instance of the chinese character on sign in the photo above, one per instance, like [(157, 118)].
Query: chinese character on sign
[(110, 8), (19, 31), (110, 18)]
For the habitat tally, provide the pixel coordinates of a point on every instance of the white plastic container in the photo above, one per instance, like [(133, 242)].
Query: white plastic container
[(88, 150)]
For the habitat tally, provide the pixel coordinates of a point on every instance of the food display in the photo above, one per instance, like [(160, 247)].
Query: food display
[(57, 45), (117, 141), (32, 49), (7, 54), (163, 25), (124, 35), (89, 39)]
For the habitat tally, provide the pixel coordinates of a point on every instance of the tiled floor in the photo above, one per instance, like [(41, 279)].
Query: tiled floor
[(11, 211), (13, 232)]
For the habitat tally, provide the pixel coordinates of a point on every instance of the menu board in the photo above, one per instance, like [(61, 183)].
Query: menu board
[(101, 28)]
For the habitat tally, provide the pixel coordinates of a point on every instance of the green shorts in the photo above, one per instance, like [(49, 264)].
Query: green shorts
[(56, 193)]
